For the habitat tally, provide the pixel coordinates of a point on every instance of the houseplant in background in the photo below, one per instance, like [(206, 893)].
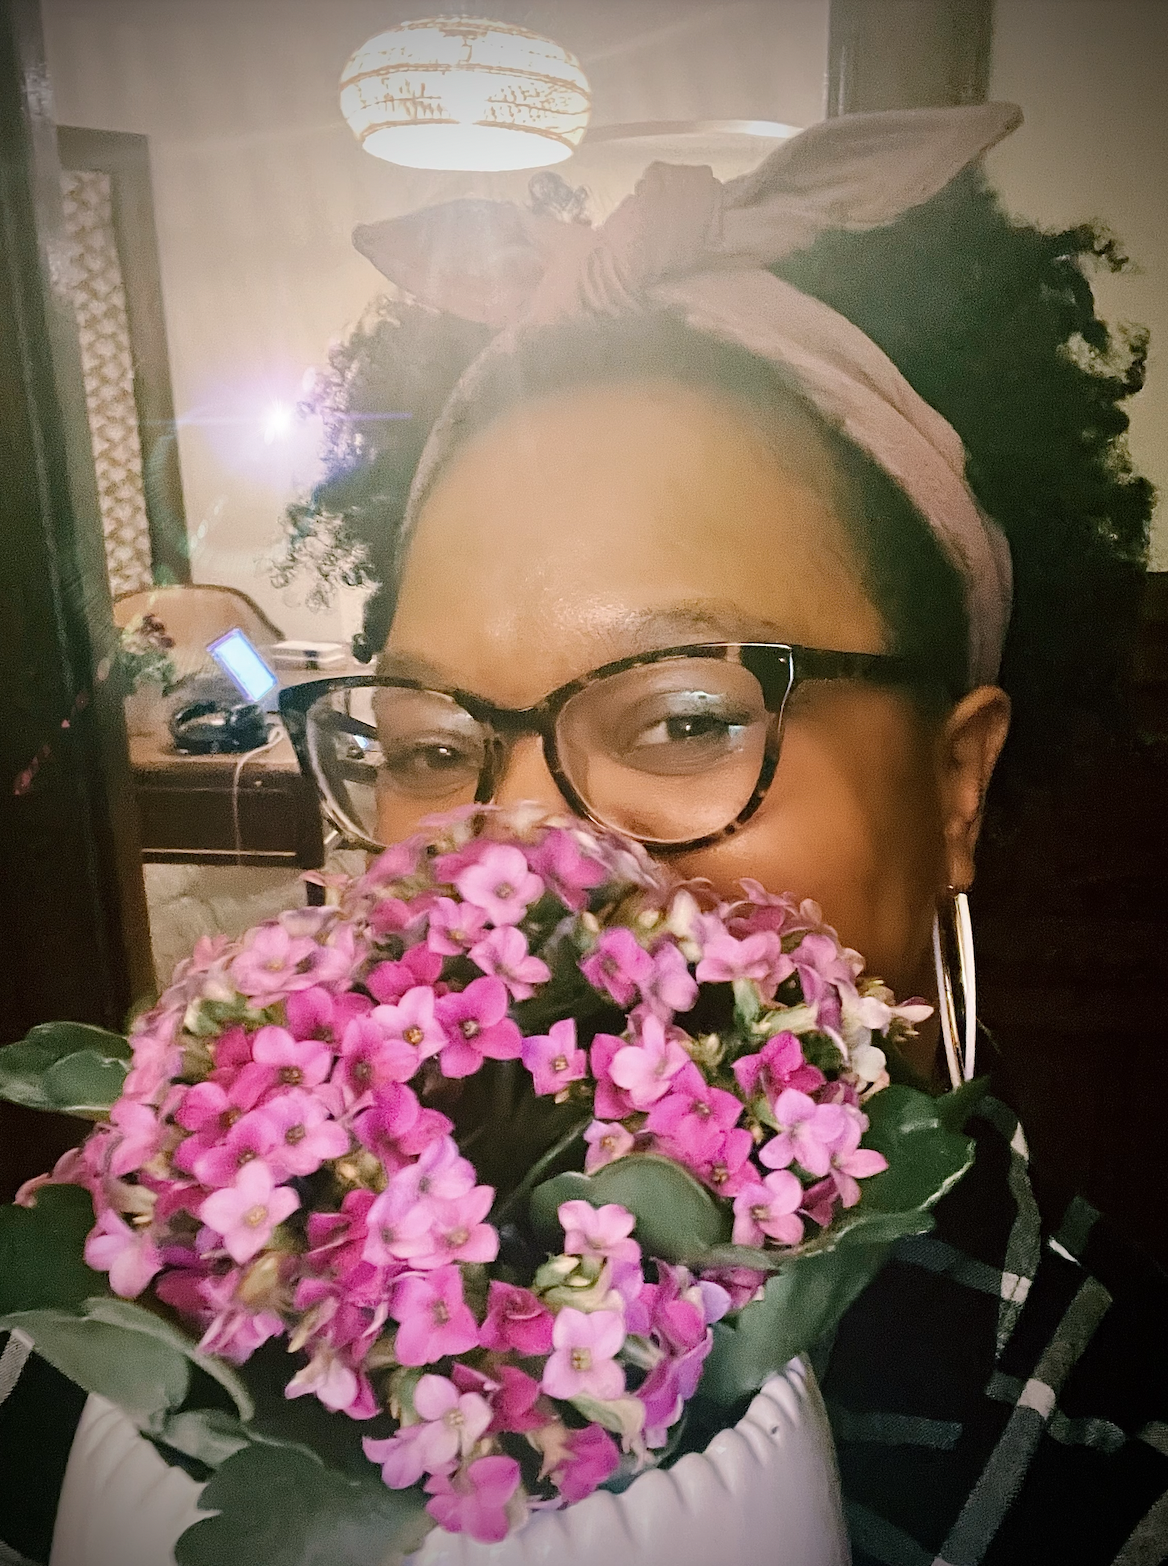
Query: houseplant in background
[(145, 664), (479, 1206)]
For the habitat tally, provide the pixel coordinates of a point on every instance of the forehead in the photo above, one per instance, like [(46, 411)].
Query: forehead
[(602, 521)]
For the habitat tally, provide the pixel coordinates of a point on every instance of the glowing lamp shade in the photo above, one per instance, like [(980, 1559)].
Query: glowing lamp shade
[(465, 93)]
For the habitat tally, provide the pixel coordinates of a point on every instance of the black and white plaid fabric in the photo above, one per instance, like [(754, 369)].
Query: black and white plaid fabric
[(998, 1399)]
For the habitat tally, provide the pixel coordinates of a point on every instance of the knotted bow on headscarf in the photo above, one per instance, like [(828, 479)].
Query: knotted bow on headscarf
[(686, 242)]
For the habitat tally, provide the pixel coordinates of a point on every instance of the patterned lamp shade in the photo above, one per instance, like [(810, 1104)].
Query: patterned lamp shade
[(465, 93)]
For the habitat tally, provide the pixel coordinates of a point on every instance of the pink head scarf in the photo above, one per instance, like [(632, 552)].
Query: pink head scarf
[(685, 242)]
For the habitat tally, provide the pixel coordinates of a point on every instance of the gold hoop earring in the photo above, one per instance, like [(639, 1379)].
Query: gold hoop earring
[(953, 959)]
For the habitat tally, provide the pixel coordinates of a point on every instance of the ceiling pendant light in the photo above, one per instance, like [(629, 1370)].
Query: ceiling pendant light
[(465, 93)]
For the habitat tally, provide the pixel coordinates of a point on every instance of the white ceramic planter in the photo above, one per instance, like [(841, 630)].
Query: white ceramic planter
[(765, 1492)]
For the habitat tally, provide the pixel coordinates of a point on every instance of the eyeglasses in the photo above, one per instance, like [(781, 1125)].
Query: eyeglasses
[(676, 748)]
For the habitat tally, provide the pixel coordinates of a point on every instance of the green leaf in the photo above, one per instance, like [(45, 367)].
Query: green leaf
[(126, 1353), (211, 1435), (675, 1214), (799, 1305), (926, 1158), (42, 1262), (280, 1506), (69, 1067)]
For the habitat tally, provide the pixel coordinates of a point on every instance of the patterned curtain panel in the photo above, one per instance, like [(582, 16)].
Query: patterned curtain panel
[(99, 297)]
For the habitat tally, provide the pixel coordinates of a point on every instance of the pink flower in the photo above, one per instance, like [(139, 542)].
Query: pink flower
[(606, 1143), (694, 1117), (246, 1212), (583, 1361), (553, 1059), (619, 965), (369, 1063), (389, 981), (434, 1319), (729, 1170), (740, 1284), (670, 986), (568, 871), (454, 927), (851, 1162), (440, 1173), (318, 1014), (306, 1136), (807, 1133), (476, 1026), (504, 954), (475, 1500), (501, 884), (645, 1069), (212, 1109), (455, 1232), (758, 957), (294, 1062), (767, 1211), (251, 1138), (451, 1424), (397, 1128), (779, 1066), (609, 1101), (330, 1377), (516, 1320), (410, 1031), (513, 1403), (273, 963), (603, 1232), (141, 1137), (235, 1334), (594, 1457), (129, 1255)]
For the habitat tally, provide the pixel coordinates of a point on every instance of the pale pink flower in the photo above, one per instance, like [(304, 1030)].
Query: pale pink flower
[(476, 1026), (583, 1362), (850, 1162), (328, 1377), (475, 1500), (568, 870), (603, 1232), (729, 1169), (129, 1255), (645, 1069), (305, 1137), (433, 1318), (758, 957), (620, 965), (553, 1059), (273, 963), (293, 1062), (141, 1136), (451, 1425), (501, 884), (609, 1101), (234, 1334), (503, 952), (245, 1212), (807, 1133), (440, 1173), (670, 986), (411, 1031), (607, 1141), (454, 927), (767, 1211), (397, 1220), (250, 1138), (455, 1232)]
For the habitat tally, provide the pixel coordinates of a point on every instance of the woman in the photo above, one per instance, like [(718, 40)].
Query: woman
[(679, 489)]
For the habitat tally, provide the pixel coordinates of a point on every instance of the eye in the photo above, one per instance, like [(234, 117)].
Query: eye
[(691, 727), (431, 757)]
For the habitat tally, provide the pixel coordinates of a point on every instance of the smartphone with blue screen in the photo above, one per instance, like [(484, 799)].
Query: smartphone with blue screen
[(241, 662)]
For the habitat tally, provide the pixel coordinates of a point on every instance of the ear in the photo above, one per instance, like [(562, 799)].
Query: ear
[(968, 748)]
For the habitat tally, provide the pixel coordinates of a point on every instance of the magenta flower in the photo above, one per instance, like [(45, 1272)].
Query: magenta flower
[(583, 1362), (645, 1069), (767, 1211), (251, 1138), (454, 927), (234, 1333), (501, 884), (410, 1030), (389, 981), (593, 1458), (568, 871), (516, 1320), (670, 986), (141, 1136), (245, 1212), (305, 1134), (475, 1500), (739, 1284), (433, 1318), (759, 957), (694, 1117), (318, 1014), (609, 1101), (451, 1424), (779, 1065), (476, 1026), (607, 1141), (129, 1255), (503, 953), (851, 1162), (553, 1059), (729, 1170), (513, 1403), (294, 1062), (808, 1132), (273, 963), (367, 1062), (397, 1128), (619, 965)]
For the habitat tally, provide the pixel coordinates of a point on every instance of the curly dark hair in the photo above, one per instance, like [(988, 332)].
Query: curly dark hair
[(993, 322)]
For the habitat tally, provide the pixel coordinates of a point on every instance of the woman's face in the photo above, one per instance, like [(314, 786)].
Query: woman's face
[(608, 521)]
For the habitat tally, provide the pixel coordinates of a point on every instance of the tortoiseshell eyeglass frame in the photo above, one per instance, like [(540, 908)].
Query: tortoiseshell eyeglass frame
[(778, 666)]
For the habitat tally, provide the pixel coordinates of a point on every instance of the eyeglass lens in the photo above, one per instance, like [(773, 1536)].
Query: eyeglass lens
[(667, 752)]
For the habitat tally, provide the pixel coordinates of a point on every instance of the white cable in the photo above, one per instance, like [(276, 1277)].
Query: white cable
[(275, 735)]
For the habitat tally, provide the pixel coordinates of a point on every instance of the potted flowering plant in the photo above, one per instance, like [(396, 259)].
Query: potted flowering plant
[(146, 668), (458, 1210)]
